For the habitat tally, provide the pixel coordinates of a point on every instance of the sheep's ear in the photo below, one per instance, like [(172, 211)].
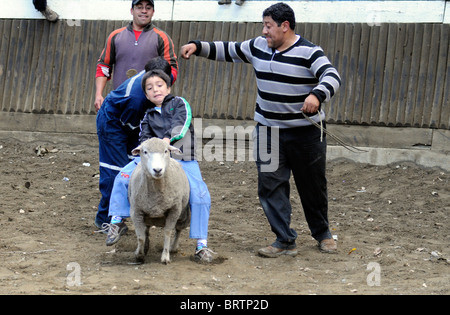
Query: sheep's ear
[(174, 149), (136, 151)]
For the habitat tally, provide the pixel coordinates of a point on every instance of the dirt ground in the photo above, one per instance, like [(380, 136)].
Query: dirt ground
[(392, 225)]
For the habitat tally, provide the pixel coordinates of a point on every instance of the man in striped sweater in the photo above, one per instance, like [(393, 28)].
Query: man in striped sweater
[(294, 77)]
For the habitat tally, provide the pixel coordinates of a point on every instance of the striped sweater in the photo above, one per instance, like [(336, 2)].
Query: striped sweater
[(284, 79)]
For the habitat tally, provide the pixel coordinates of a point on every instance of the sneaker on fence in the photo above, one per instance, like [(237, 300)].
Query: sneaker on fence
[(50, 15)]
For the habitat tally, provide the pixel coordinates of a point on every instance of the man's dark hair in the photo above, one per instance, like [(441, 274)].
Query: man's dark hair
[(280, 12), (136, 2)]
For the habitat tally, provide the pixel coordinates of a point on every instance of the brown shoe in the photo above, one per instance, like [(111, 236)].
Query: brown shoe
[(328, 246), (273, 252)]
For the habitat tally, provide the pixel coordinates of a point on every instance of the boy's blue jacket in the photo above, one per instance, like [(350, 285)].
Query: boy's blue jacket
[(128, 103)]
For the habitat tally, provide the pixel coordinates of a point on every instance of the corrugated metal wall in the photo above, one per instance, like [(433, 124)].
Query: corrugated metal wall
[(393, 74)]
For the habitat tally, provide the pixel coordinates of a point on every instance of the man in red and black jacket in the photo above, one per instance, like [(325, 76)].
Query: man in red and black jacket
[(129, 48)]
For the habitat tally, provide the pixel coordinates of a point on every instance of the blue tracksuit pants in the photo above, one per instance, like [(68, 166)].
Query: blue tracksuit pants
[(200, 199)]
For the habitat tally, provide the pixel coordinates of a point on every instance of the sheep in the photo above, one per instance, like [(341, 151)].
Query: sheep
[(158, 192)]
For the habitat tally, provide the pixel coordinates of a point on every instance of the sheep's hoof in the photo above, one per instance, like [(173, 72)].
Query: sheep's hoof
[(139, 260), (165, 259)]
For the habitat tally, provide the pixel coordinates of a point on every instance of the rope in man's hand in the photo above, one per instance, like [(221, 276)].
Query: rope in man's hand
[(338, 140)]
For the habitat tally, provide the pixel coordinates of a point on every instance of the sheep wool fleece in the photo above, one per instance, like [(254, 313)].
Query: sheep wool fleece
[(199, 199)]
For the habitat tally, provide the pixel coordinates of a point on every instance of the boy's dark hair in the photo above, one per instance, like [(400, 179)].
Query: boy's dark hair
[(155, 73), (159, 63), (281, 12)]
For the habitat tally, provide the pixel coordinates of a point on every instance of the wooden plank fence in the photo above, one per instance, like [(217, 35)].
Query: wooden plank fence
[(393, 74)]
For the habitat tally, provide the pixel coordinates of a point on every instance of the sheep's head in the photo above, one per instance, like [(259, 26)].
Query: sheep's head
[(155, 156)]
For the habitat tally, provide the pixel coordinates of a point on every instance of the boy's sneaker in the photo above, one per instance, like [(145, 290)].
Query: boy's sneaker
[(203, 255), (102, 227), (115, 232)]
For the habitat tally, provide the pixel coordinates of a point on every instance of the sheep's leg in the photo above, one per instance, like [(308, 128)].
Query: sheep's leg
[(174, 246), (147, 240), (165, 257), (141, 234), (171, 221)]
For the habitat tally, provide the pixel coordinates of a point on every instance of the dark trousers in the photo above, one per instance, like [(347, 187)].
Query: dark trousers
[(115, 145), (40, 5), (300, 151)]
